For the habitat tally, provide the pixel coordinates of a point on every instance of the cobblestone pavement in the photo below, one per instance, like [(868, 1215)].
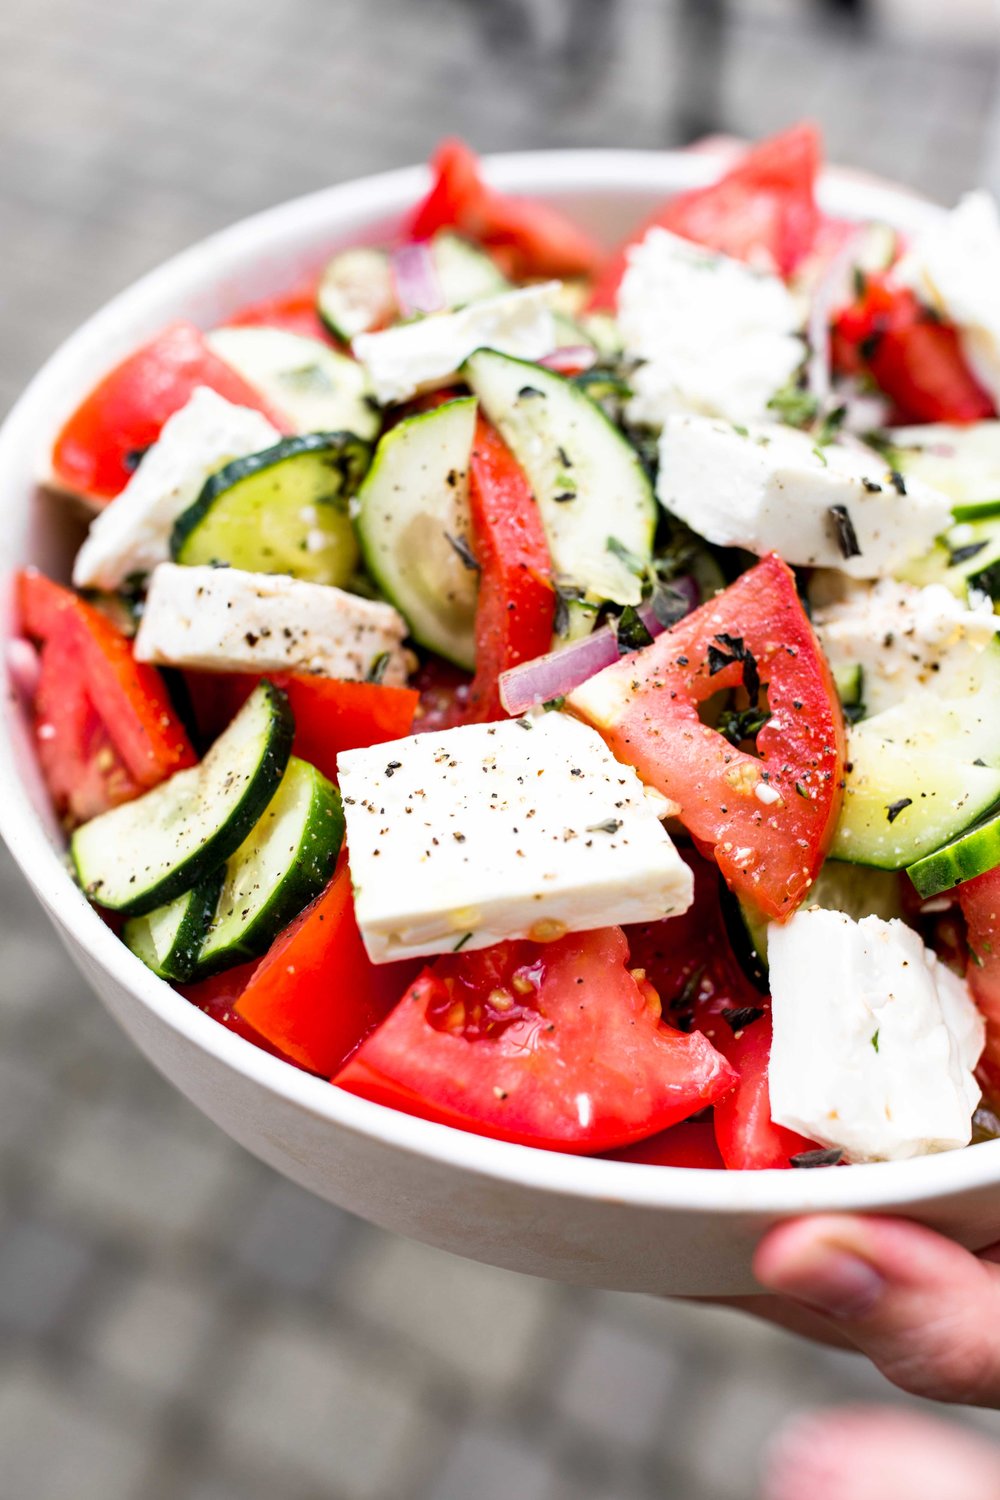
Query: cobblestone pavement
[(177, 1323)]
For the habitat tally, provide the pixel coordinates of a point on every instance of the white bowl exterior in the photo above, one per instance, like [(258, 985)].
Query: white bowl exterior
[(631, 1227)]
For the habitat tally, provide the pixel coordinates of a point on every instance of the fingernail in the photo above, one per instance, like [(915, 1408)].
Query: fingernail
[(833, 1281)]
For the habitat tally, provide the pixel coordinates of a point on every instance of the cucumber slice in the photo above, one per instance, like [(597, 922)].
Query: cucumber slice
[(587, 479), (356, 293), (849, 681), (416, 496), (963, 729), (317, 388), (962, 462), (284, 862), (900, 804), (966, 560), (169, 939), (973, 853), (465, 272), (145, 853), (281, 511)]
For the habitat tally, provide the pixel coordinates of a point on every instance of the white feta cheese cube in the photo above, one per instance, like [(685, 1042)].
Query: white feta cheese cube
[(132, 533), (713, 335), (768, 487), (429, 352), (523, 829), (226, 620), (907, 639), (952, 267), (875, 1042)]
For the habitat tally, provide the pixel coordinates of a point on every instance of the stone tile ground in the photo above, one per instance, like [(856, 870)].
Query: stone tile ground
[(175, 1322)]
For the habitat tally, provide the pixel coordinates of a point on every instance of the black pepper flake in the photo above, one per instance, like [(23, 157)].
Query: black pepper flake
[(564, 457), (872, 486), (745, 1015), (817, 1158), (894, 809), (847, 537), (459, 838), (460, 545), (251, 639), (564, 496), (898, 482), (393, 767), (133, 457), (963, 554), (527, 391)]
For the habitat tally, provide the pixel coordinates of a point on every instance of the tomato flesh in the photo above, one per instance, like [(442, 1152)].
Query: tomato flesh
[(293, 311), (980, 903), (100, 445), (552, 1045), (690, 1144), (527, 237), (763, 208), (646, 707)]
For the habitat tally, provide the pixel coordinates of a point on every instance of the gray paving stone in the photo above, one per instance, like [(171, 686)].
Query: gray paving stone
[(291, 1239), (153, 1329), (481, 1324), (615, 1387), (486, 1464), (42, 1273)]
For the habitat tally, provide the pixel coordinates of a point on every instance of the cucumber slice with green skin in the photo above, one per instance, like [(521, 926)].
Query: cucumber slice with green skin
[(966, 559), (973, 853), (849, 681), (416, 496), (900, 804), (465, 272), (588, 482), (284, 862), (145, 853), (318, 389), (281, 511), (169, 939), (962, 462), (964, 729), (356, 293)]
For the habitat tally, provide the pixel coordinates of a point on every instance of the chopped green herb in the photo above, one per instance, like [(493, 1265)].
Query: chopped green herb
[(847, 537), (465, 938), (556, 703), (631, 631), (739, 724), (875, 1041), (741, 1018), (809, 1159), (794, 406), (461, 545), (378, 667), (894, 809)]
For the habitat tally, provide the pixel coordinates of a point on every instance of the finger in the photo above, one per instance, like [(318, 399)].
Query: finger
[(879, 1455), (924, 1310)]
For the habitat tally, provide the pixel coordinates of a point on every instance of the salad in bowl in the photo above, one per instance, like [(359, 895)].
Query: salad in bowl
[(551, 693)]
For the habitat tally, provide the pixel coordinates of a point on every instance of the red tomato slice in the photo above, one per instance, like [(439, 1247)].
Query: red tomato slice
[(646, 707), (294, 311), (217, 997), (555, 1046), (101, 443), (691, 1144), (915, 359), (330, 715), (104, 724), (747, 1137), (516, 606), (316, 994), (527, 237), (980, 903), (763, 209)]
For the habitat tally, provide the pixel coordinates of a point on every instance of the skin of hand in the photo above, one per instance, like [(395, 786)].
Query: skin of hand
[(922, 1309)]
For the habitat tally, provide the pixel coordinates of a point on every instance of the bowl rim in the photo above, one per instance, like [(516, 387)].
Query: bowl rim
[(876, 1186)]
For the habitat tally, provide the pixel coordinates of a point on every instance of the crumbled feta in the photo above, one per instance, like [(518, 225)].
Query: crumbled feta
[(132, 533), (713, 336), (875, 1041), (226, 620), (525, 828), (768, 487), (906, 638), (430, 351), (952, 266)]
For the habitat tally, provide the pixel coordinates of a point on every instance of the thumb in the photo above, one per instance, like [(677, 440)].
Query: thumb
[(924, 1310)]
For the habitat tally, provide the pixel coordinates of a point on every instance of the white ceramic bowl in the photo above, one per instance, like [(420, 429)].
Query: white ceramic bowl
[(640, 1228)]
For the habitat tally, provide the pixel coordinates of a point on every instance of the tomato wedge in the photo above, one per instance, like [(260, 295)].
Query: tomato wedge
[(104, 724), (516, 606), (330, 715), (294, 311), (550, 1045), (980, 903), (527, 237), (316, 994), (767, 822), (763, 209), (690, 1144), (913, 357), (97, 450)]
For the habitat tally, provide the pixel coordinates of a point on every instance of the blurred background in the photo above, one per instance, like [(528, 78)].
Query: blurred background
[(177, 1323)]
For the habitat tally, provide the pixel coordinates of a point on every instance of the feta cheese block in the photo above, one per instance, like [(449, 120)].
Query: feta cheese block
[(951, 266), (907, 639), (226, 620), (132, 533), (767, 488), (524, 829), (875, 1041), (429, 352), (713, 335)]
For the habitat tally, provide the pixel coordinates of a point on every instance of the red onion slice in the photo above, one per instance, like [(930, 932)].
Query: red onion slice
[(570, 359), (415, 277), (560, 671)]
